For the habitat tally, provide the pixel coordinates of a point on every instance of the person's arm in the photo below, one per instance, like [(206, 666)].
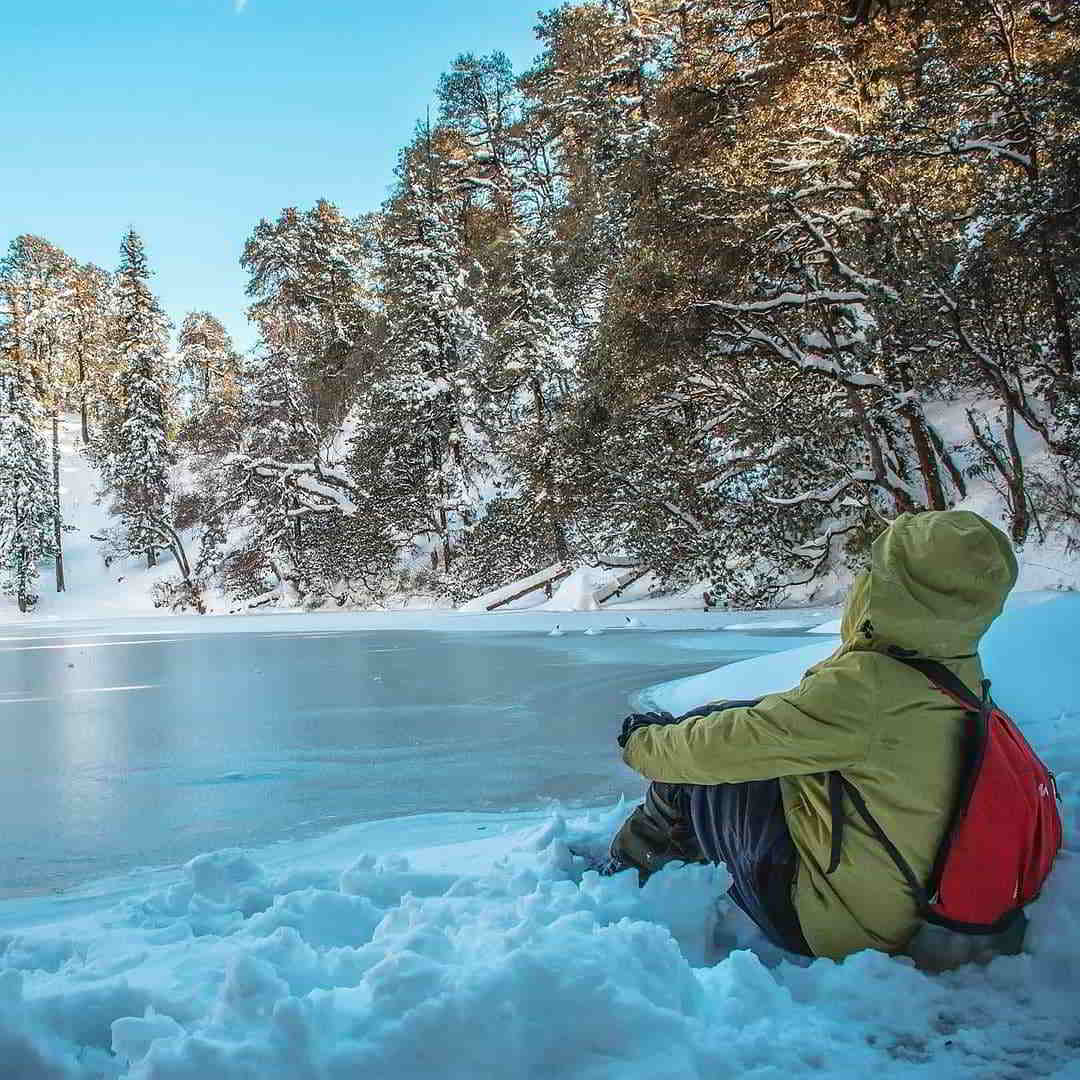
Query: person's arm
[(826, 723)]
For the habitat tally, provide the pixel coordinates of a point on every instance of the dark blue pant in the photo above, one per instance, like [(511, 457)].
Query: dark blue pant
[(740, 825)]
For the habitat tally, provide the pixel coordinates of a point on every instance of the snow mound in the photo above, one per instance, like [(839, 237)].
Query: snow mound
[(503, 595), (577, 592), (380, 970), (530, 966), (747, 679)]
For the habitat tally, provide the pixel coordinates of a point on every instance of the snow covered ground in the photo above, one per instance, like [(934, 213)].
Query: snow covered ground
[(464, 946), (94, 589)]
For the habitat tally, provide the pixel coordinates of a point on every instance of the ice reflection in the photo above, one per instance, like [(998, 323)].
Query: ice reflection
[(147, 750)]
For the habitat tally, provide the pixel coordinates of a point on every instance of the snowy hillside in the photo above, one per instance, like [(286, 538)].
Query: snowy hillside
[(465, 946), (125, 587), (93, 589)]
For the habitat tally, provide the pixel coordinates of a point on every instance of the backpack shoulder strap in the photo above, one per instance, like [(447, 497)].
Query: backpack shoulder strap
[(945, 680), (918, 891), (979, 718)]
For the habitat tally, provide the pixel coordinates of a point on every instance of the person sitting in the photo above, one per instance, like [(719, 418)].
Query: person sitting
[(748, 783)]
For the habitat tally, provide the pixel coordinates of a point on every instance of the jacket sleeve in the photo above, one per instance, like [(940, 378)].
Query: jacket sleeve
[(827, 722)]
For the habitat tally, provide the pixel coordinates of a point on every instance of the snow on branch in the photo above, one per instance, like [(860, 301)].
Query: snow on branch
[(787, 300), (817, 190), (872, 286), (480, 182), (862, 379), (826, 495), (734, 463), (994, 149), (318, 489), (953, 145), (783, 347)]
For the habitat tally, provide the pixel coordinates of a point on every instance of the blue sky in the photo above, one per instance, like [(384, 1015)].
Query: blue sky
[(192, 119)]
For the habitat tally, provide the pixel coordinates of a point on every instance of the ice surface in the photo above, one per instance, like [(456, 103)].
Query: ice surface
[(143, 748), (458, 946)]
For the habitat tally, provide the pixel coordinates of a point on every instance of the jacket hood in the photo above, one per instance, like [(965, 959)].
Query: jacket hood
[(936, 582)]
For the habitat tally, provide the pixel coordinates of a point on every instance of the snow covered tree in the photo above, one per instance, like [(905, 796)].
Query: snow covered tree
[(137, 471), (501, 164), (310, 273), (91, 333), (37, 283), (435, 338), (206, 355), (784, 207), (406, 472), (311, 277), (27, 500), (211, 372)]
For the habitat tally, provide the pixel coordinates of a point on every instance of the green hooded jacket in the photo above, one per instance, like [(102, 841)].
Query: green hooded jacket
[(936, 582)]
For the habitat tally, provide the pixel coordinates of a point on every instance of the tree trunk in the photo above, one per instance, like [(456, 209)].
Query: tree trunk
[(1060, 307), (562, 549), (901, 499), (935, 495), (82, 400), (176, 546), (944, 455), (442, 519), (20, 560), (56, 502), (1021, 520), (1011, 471), (924, 451)]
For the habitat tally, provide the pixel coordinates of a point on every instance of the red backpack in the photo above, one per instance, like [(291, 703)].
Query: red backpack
[(1005, 828)]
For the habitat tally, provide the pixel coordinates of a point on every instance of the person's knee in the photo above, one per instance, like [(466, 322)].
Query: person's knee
[(666, 805), (636, 844), (658, 831)]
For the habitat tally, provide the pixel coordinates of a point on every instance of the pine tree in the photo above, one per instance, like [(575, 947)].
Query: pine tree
[(502, 163), (207, 356), (310, 274), (138, 468), (27, 503), (436, 337), (37, 283), (91, 345)]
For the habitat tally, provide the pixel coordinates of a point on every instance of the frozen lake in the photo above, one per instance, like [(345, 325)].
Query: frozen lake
[(148, 747)]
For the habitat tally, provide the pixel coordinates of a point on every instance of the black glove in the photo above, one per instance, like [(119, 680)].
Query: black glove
[(639, 720)]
